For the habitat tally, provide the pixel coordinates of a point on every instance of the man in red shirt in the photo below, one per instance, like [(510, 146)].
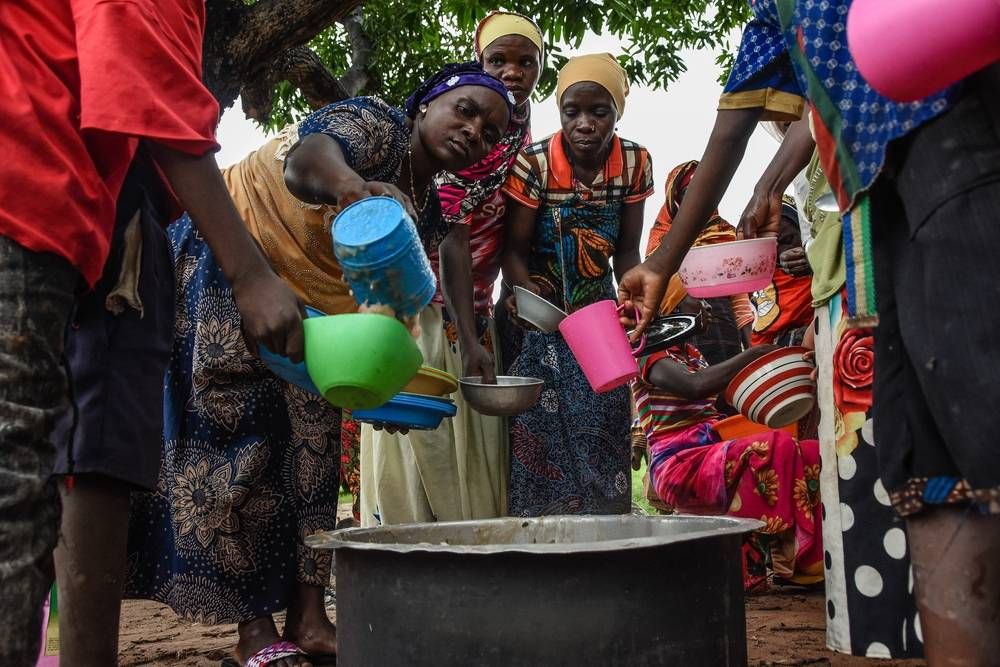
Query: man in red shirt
[(81, 84)]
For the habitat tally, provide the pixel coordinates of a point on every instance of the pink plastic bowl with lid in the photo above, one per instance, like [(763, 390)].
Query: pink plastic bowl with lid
[(724, 269)]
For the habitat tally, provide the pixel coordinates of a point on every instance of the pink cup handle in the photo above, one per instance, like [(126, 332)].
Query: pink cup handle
[(637, 351)]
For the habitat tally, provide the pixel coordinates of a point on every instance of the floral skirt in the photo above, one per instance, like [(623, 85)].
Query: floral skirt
[(570, 452), (769, 477), (250, 467)]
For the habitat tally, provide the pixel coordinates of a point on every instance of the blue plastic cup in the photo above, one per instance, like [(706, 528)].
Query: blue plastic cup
[(379, 251)]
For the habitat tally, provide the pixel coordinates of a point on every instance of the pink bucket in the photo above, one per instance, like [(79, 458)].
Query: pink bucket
[(909, 49), (596, 337)]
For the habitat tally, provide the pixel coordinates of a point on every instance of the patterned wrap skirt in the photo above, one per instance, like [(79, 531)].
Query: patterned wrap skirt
[(250, 466), (570, 453)]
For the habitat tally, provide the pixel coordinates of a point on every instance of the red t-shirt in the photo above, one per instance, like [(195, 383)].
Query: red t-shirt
[(80, 82)]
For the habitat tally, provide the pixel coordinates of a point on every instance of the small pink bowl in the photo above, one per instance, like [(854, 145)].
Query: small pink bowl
[(724, 269)]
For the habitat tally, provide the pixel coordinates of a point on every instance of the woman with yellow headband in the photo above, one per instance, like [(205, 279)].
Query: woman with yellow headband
[(575, 205), (459, 471), (702, 463)]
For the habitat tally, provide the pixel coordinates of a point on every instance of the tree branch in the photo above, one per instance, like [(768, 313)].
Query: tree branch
[(286, 23), (302, 68), (358, 77)]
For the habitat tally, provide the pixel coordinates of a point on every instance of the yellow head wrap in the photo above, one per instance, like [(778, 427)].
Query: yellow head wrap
[(675, 294), (600, 68), (499, 24)]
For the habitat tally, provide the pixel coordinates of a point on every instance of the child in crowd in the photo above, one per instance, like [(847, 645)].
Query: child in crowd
[(695, 468), (783, 310)]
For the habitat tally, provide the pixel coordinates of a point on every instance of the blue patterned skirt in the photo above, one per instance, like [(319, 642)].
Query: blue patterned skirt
[(250, 466), (570, 452)]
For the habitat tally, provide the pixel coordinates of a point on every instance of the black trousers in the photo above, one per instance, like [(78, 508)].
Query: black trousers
[(936, 237)]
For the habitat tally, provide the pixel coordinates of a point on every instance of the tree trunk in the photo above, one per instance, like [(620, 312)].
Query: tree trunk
[(244, 43)]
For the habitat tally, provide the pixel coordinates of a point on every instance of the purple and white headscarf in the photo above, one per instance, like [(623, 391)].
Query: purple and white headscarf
[(454, 76)]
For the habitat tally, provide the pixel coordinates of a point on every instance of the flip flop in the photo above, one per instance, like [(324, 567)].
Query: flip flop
[(269, 654)]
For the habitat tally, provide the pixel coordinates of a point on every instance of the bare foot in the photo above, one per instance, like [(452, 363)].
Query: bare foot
[(308, 625), (260, 633)]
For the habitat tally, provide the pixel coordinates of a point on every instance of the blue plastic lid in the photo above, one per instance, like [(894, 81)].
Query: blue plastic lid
[(387, 411), (419, 400), (367, 221)]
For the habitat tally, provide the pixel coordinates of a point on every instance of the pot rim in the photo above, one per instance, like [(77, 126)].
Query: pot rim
[(349, 538)]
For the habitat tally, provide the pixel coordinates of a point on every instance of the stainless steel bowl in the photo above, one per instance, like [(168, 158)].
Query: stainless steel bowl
[(538, 311), (508, 397)]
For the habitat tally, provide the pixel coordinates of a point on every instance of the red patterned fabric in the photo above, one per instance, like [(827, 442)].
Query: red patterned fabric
[(766, 476), (276, 651), (782, 306), (472, 197)]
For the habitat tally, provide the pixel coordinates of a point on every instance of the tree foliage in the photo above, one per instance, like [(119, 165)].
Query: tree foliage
[(404, 41)]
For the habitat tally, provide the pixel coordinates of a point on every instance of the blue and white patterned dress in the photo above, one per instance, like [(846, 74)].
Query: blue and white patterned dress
[(798, 49), (250, 462)]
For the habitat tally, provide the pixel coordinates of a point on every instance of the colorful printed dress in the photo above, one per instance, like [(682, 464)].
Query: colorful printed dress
[(767, 476), (570, 452), (250, 462), (795, 50)]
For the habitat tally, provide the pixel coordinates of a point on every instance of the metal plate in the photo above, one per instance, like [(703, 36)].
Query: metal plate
[(667, 331)]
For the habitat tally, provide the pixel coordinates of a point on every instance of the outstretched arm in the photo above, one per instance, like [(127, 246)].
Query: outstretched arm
[(644, 285), (627, 247), (317, 172), (671, 376), (763, 214), (457, 290), (271, 312)]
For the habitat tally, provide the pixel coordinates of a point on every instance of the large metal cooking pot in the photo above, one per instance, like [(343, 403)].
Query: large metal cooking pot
[(565, 590)]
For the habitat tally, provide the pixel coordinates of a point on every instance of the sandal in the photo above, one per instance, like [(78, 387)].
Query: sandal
[(275, 651)]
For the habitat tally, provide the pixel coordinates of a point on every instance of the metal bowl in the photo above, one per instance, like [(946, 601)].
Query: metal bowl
[(538, 311), (508, 397)]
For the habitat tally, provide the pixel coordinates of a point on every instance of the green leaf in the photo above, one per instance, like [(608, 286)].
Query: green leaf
[(412, 40)]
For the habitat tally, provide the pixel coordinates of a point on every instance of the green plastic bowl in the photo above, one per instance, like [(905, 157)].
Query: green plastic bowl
[(360, 360)]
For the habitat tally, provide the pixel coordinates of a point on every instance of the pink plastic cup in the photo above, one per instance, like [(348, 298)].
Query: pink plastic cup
[(601, 347), (909, 49)]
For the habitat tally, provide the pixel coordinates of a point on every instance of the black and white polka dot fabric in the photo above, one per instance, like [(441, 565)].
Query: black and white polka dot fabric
[(869, 586)]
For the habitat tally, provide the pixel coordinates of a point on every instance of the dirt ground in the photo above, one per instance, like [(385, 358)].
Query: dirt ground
[(785, 627)]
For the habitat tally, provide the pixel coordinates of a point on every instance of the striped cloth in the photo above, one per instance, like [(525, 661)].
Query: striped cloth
[(661, 413), (543, 174), (577, 227)]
